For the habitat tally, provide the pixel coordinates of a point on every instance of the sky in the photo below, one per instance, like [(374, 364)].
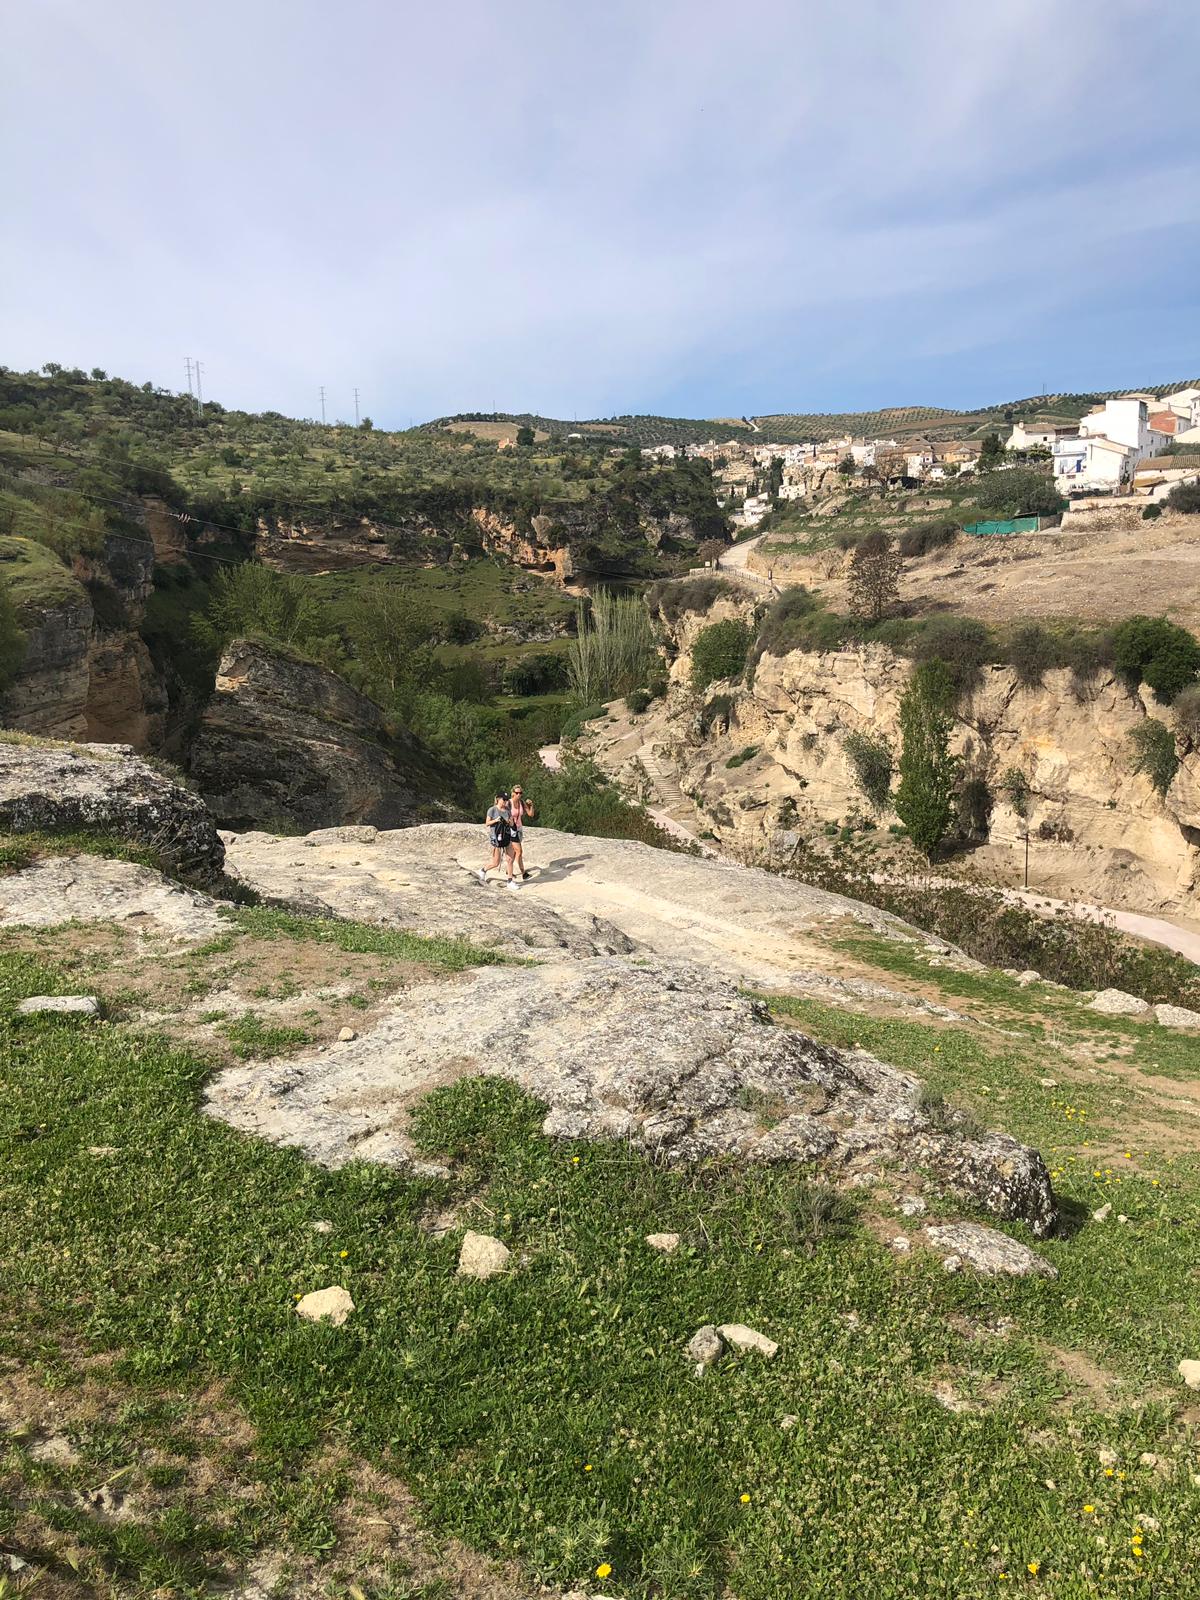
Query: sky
[(584, 209)]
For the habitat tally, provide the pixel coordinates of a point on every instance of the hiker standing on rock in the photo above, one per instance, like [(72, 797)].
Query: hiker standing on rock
[(519, 809), (500, 837)]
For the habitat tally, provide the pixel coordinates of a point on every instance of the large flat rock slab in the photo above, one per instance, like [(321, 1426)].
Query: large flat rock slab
[(79, 888), (662, 1055), (587, 896)]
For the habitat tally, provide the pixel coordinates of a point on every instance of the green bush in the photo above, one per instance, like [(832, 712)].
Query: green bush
[(1156, 652), (1152, 513), (739, 760), (719, 651), (674, 597), (1185, 497), (1015, 785), (538, 673), (574, 720), (638, 700), (1032, 652), (1187, 715), (961, 643), (872, 763), (1153, 746), (1019, 492), (929, 536)]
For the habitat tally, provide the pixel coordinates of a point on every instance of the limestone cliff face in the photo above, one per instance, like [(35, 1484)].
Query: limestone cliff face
[(87, 673), (357, 542), (285, 742), (536, 550), (1098, 829)]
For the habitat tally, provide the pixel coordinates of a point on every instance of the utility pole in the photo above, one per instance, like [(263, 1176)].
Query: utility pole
[(199, 390), (322, 405), (356, 408), (187, 362)]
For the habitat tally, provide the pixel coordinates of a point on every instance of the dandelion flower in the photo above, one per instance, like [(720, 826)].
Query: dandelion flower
[(603, 1570), (587, 1466), (343, 1254), (1033, 1567), (745, 1499), (1088, 1510)]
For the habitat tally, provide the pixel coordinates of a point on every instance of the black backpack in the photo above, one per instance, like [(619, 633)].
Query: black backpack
[(501, 833)]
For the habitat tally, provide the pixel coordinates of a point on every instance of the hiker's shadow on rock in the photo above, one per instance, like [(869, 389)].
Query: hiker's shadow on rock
[(553, 871)]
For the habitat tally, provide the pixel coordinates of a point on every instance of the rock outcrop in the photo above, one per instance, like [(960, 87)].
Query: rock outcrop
[(660, 1055), (1099, 829), (285, 742), (107, 789)]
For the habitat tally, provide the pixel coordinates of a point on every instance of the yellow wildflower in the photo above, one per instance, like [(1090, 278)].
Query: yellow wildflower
[(1033, 1567), (587, 1466), (603, 1570), (1088, 1510), (343, 1254), (745, 1499)]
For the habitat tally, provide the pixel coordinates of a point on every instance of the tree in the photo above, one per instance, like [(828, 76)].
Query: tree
[(875, 569), (525, 437), (99, 375), (1157, 652), (991, 452), (366, 425), (1185, 497), (252, 599), (391, 632), (1021, 492), (925, 796), (846, 466)]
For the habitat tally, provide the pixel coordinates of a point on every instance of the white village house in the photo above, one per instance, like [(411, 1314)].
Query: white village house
[(1112, 440)]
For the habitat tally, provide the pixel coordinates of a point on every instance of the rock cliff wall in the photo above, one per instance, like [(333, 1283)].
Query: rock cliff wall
[(285, 742), (1098, 829)]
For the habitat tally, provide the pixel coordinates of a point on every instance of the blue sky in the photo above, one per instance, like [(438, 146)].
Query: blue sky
[(681, 207)]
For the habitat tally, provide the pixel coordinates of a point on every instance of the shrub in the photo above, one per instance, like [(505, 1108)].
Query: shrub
[(925, 796), (780, 626), (1154, 753), (1015, 786), (1151, 513), (1086, 654), (929, 536), (1187, 715), (574, 720), (638, 700), (538, 673), (963, 644), (1019, 493), (719, 652), (1185, 497), (1156, 652), (872, 763), (674, 597), (739, 760), (1032, 652)]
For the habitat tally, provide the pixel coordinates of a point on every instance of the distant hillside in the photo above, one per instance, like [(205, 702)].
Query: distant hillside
[(796, 427)]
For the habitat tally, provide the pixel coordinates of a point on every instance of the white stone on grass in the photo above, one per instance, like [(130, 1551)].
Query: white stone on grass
[(482, 1256), (1116, 1003), (668, 1243), (1176, 1017), (331, 1305), (1189, 1371), (705, 1346), (992, 1253), (741, 1338), (75, 1005), (1102, 1213), (345, 1035)]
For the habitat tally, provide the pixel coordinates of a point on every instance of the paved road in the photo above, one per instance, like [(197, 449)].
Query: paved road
[(734, 559)]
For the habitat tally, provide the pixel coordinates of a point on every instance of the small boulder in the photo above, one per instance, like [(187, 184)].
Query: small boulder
[(482, 1256), (1102, 1213), (74, 1005), (911, 1205), (951, 1264), (989, 1252), (705, 1346), (1116, 1003), (345, 1035), (739, 1337), (1176, 1017), (322, 1225), (1189, 1371), (668, 1243), (901, 1244), (331, 1305), (1026, 978)]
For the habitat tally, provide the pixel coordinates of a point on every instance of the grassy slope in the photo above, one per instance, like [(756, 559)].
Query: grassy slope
[(550, 1414)]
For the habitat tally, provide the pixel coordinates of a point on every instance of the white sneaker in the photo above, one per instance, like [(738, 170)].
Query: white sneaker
[(482, 875), (513, 885)]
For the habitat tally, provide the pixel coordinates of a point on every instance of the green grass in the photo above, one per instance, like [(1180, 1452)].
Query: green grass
[(36, 577), (364, 938), (19, 850), (185, 1251)]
